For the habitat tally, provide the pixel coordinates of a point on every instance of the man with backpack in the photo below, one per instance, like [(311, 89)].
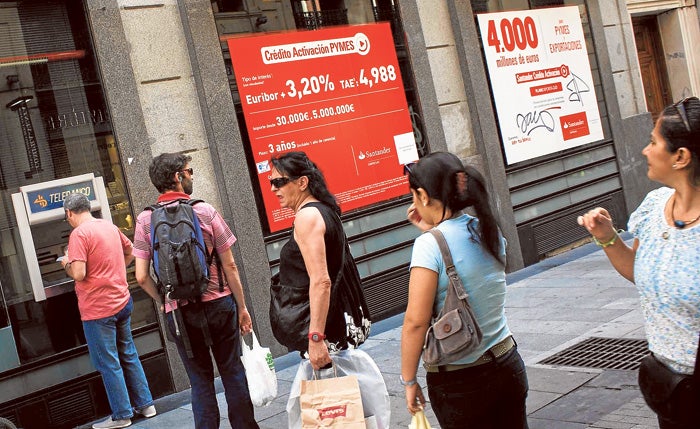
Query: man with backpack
[(199, 288)]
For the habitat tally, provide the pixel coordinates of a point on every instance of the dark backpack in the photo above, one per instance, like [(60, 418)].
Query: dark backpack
[(180, 257)]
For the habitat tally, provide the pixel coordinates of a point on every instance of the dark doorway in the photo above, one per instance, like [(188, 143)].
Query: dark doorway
[(652, 64)]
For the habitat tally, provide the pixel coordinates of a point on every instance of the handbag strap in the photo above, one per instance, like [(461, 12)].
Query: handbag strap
[(696, 372), (455, 280), (339, 277)]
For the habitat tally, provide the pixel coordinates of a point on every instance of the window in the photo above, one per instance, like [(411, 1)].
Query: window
[(54, 123)]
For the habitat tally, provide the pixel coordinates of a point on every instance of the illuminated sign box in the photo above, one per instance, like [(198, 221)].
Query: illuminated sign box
[(336, 94)]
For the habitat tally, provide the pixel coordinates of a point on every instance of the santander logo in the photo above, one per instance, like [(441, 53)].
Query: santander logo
[(332, 412)]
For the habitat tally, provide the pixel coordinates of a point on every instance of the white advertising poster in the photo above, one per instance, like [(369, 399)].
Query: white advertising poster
[(541, 81)]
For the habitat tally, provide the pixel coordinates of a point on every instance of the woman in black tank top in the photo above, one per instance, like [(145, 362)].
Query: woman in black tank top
[(313, 254)]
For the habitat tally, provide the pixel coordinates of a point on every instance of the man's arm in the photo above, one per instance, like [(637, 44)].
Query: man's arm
[(74, 269), (142, 268), (128, 255), (77, 268), (127, 248), (230, 269), (143, 278)]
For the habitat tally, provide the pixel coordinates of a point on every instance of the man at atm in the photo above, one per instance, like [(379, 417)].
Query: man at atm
[(96, 258)]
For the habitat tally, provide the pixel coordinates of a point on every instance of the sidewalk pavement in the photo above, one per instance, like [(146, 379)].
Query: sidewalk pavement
[(550, 306)]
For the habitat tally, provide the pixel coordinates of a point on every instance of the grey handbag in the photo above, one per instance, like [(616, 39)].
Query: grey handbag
[(455, 332)]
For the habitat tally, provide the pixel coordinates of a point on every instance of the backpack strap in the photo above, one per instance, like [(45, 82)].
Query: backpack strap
[(214, 255), (180, 321), (155, 206), (192, 201)]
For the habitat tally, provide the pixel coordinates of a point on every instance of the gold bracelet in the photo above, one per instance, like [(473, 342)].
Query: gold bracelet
[(610, 242)]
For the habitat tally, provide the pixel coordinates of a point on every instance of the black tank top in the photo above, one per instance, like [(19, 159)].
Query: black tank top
[(292, 268)]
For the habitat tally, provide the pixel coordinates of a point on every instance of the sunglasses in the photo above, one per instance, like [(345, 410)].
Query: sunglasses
[(680, 108), (408, 167), (278, 182), (188, 170), (408, 170)]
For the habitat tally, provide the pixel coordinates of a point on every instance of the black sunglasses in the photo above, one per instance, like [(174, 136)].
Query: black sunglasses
[(407, 168), (278, 182), (189, 170)]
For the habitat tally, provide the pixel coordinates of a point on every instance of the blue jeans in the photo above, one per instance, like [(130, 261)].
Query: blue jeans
[(114, 354), (221, 316), (488, 396)]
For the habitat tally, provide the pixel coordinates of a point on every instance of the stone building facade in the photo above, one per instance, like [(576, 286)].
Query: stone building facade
[(163, 72)]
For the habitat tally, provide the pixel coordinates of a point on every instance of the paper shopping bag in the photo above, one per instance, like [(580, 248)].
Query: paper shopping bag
[(332, 403)]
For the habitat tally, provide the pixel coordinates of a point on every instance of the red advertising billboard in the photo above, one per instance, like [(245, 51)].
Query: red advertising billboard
[(335, 94)]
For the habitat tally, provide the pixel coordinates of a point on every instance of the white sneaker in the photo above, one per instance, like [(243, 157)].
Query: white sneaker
[(109, 423), (148, 411)]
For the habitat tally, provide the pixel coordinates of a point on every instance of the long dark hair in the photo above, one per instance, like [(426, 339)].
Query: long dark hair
[(297, 164), (683, 131), (443, 177)]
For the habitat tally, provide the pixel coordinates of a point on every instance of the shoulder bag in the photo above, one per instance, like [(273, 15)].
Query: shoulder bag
[(455, 332), (667, 392), (348, 321)]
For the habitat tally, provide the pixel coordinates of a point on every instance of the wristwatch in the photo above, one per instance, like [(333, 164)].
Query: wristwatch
[(317, 337), (407, 383)]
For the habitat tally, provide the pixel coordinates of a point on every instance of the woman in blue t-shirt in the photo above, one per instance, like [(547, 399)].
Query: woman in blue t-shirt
[(664, 263), (486, 388)]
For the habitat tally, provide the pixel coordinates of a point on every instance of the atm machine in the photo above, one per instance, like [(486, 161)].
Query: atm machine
[(47, 379), (44, 232)]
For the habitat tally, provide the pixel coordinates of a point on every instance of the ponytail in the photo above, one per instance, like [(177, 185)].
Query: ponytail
[(444, 177), (475, 195)]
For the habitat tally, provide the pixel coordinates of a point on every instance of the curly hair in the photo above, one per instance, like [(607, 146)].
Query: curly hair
[(163, 168)]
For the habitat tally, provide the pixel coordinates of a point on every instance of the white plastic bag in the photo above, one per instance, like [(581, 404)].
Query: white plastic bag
[(375, 397), (260, 372)]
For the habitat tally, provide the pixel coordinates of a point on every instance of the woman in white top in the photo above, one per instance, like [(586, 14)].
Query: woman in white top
[(664, 263)]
